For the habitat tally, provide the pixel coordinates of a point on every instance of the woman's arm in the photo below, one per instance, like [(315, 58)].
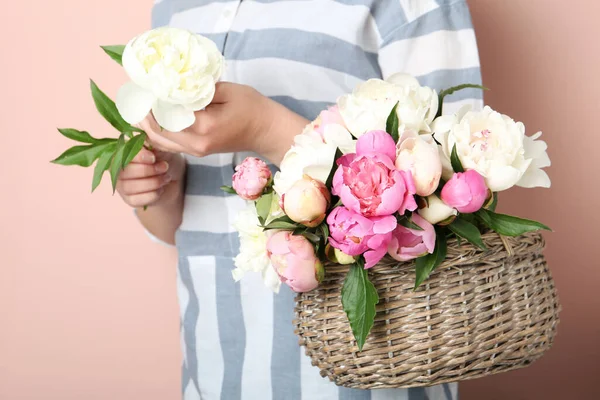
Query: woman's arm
[(239, 119), (155, 180)]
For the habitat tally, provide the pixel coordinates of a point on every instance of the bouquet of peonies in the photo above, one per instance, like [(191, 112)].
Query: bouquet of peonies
[(382, 174), (173, 73)]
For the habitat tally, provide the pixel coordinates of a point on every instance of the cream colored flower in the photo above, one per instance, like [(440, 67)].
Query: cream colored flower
[(253, 249), (173, 73)]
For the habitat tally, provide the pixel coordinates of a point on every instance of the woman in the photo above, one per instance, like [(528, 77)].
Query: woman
[(286, 61)]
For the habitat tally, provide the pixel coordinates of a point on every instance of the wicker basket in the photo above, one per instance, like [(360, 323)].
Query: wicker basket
[(478, 314)]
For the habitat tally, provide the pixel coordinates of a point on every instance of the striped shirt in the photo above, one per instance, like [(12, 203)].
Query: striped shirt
[(237, 338)]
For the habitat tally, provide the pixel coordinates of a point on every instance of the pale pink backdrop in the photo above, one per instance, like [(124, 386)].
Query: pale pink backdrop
[(87, 302)]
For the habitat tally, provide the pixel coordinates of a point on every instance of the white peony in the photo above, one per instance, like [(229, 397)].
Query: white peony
[(253, 249), (494, 145), (370, 104), (313, 155), (436, 210), (173, 73)]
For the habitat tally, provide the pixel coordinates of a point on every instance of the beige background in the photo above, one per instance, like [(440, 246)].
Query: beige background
[(87, 303)]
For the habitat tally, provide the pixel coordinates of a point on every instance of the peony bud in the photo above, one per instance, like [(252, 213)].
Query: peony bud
[(294, 260), (435, 211), (419, 154), (465, 191), (337, 256), (250, 178), (408, 244), (306, 202)]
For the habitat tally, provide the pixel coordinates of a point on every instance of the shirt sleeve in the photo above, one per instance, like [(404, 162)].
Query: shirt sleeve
[(435, 43)]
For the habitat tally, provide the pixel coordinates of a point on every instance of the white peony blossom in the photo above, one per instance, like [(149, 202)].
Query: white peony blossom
[(370, 104), (494, 145), (313, 155), (253, 249), (173, 73)]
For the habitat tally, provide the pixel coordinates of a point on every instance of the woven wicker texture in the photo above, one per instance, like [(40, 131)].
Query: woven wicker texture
[(478, 314)]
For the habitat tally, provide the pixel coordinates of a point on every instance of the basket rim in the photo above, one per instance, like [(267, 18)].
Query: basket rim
[(534, 241)]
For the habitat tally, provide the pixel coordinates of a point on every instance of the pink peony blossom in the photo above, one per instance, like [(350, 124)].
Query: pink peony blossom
[(407, 244), (250, 178), (294, 260), (306, 202), (328, 117), (377, 142), (465, 191), (368, 182), (356, 235)]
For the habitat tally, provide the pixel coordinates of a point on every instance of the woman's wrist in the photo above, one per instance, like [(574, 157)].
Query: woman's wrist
[(276, 135)]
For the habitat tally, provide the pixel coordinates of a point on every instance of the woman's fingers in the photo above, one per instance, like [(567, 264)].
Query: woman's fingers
[(138, 170), (159, 140), (143, 199), (145, 156), (131, 187)]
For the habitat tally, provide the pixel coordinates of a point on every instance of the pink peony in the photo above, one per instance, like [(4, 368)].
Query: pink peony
[(407, 244), (377, 142), (465, 191), (294, 260), (306, 202), (355, 234), (250, 178), (328, 117), (368, 182)]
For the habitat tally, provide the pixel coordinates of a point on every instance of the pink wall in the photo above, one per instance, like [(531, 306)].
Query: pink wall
[(541, 59), (87, 303)]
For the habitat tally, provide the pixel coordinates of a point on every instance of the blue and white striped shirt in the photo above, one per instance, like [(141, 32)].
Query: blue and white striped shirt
[(237, 338)]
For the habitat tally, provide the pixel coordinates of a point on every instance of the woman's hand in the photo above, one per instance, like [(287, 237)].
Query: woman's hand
[(152, 178), (238, 119)]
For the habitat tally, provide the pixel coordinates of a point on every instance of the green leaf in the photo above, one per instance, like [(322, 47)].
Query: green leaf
[(492, 206), (407, 222), (392, 124), (117, 161), (263, 207), (282, 223), (228, 189), (329, 181), (456, 164), (359, 298), (132, 148), (324, 228), (427, 264), (508, 225), (467, 230), (102, 165), (107, 108), (314, 238), (80, 136), (452, 90), (84, 156), (115, 52), (459, 240)]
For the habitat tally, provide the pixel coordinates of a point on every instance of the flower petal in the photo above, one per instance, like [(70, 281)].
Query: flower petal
[(372, 257), (534, 177), (384, 224), (376, 142), (271, 279), (134, 102), (502, 178), (173, 117), (403, 79)]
